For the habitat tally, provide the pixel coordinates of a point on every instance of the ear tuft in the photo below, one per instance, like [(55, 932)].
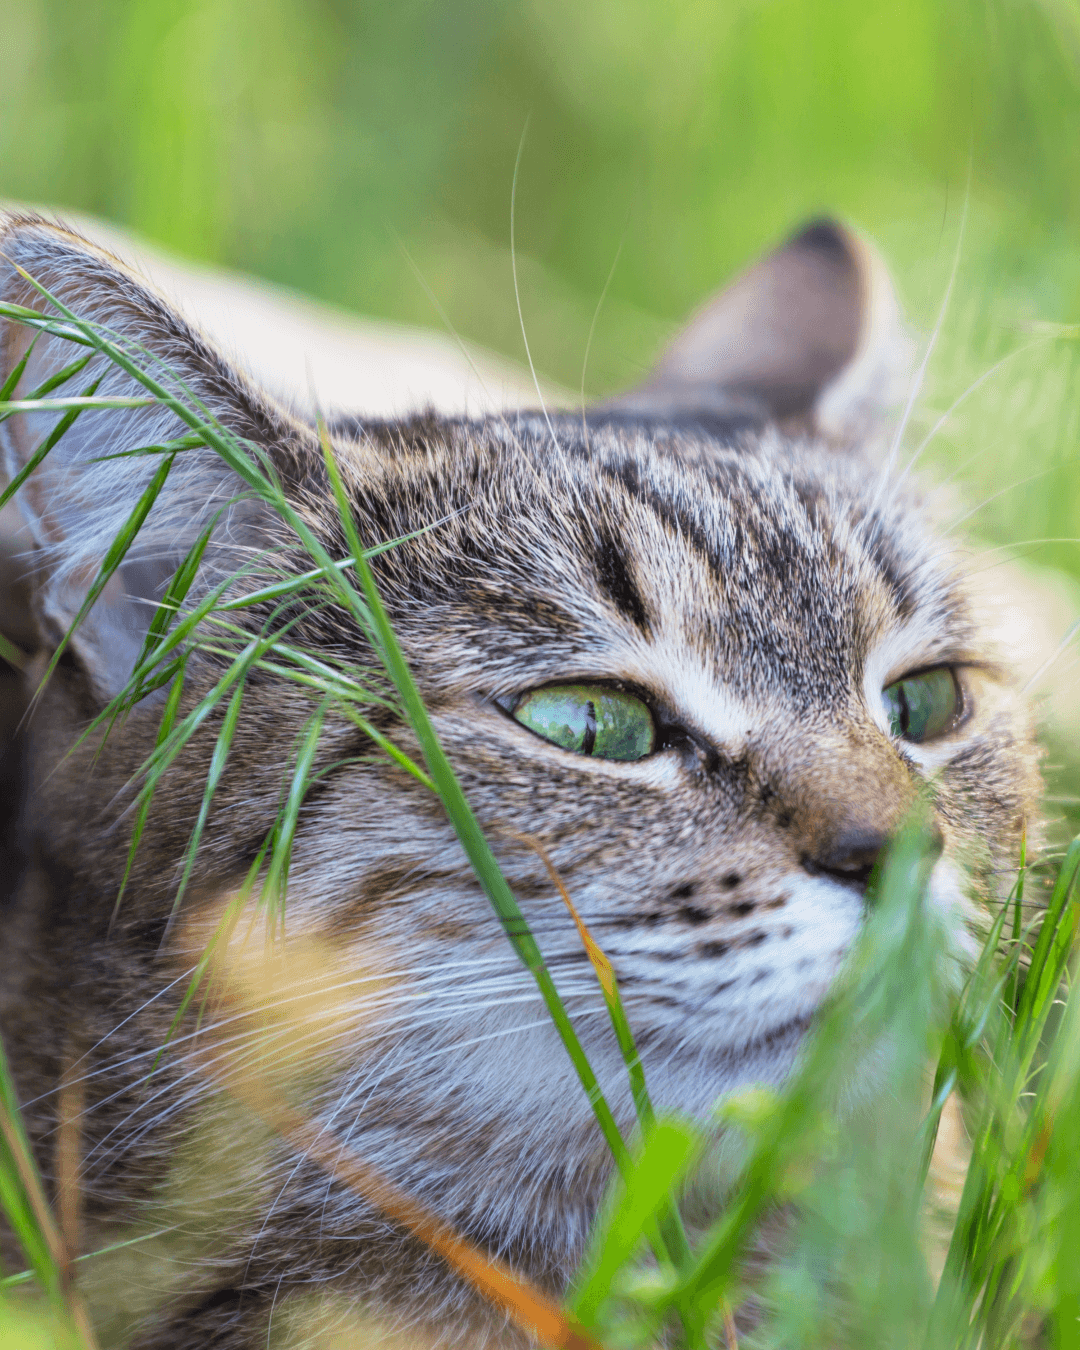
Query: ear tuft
[(809, 335)]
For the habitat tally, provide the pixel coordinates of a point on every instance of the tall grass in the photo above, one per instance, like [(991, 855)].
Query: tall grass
[(305, 137), (835, 1165)]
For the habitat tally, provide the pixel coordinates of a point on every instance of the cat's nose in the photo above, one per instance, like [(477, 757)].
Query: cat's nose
[(850, 856), (854, 853)]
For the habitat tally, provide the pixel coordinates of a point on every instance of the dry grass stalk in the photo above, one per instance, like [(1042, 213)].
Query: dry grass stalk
[(605, 972), (526, 1306), (68, 1157), (289, 995), (58, 1248)]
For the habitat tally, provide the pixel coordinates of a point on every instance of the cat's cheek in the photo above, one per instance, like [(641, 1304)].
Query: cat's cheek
[(951, 896), (740, 991)]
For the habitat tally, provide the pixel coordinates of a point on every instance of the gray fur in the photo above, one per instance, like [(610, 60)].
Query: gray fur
[(759, 587)]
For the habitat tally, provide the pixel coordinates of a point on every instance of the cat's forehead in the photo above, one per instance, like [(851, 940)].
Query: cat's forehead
[(760, 560)]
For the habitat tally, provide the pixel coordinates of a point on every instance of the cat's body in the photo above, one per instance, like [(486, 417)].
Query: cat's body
[(755, 589)]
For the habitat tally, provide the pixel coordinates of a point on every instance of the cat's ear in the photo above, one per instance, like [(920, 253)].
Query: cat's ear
[(810, 334), (77, 501)]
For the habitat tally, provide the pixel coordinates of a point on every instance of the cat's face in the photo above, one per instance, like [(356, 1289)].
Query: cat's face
[(735, 620), (707, 666)]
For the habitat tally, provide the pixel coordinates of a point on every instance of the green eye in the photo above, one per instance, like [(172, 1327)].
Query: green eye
[(921, 707), (590, 720)]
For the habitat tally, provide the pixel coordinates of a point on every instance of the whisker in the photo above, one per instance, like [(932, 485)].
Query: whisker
[(1051, 660), (212, 1033), (517, 290), (1001, 492), (920, 375), (592, 329), (957, 402)]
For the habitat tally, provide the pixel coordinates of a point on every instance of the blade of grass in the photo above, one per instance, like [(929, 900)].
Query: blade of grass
[(42, 323), (20, 1212), (277, 879), (29, 1214), (17, 371), (671, 1227), (146, 796), (465, 824), (77, 403), (218, 761), (175, 594), (47, 386), (14, 656), (989, 1231), (669, 1146), (64, 425), (982, 990), (177, 445), (1054, 941), (114, 556), (898, 922)]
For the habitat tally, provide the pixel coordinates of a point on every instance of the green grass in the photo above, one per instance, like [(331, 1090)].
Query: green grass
[(302, 142), (304, 139), (844, 1146)]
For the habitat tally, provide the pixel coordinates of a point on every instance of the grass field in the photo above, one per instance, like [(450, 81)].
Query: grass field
[(307, 142), (318, 144)]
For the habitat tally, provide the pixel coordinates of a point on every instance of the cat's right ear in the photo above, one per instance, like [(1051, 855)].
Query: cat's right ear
[(77, 501), (809, 335)]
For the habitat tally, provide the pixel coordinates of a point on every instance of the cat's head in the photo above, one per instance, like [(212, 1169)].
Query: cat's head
[(701, 645)]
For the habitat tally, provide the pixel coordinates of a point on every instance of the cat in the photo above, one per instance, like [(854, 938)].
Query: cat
[(702, 643)]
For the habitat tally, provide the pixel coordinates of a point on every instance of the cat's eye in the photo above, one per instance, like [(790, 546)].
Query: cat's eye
[(590, 720), (924, 706)]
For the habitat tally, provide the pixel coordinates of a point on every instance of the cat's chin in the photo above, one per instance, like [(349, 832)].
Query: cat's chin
[(697, 1080)]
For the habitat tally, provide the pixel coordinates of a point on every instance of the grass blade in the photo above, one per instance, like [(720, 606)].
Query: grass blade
[(146, 796), (277, 879), (114, 556), (78, 403), (217, 767), (465, 824), (669, 1147), (43, 449)]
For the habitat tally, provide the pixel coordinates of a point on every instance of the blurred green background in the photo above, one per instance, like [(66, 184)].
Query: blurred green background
[(314, 141)]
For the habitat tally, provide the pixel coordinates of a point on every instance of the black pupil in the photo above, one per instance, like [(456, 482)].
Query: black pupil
[(905, 716), (589, 739)]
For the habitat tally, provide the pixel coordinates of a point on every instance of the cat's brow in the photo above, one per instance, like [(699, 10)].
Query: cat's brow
[(698, 698)]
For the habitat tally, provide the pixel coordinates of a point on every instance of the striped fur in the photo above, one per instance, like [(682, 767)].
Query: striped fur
[(756, 582)]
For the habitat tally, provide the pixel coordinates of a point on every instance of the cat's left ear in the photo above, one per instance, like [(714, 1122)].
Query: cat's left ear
[(810, 336), (90, 485)]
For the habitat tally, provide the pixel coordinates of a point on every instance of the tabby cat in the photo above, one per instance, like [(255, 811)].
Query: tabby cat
[(701, 644)]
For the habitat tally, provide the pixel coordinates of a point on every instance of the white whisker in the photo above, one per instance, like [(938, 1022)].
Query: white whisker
[(920, 374), (592, 329), (517, 290), (1001, 492), (1062, 647), (946, 416)]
